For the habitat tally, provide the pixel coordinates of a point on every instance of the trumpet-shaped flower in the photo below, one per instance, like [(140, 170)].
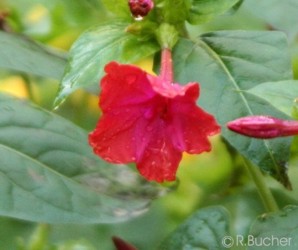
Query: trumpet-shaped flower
[(149, 121)]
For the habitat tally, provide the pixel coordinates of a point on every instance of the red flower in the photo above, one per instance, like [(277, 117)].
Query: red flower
[(149, 121)]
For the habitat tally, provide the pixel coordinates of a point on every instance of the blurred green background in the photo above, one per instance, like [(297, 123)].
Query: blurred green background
[(210, 178)]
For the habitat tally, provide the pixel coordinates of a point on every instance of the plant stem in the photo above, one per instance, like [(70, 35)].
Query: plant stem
[(166, 71), (264, 191), (39, 238), (28, 85)]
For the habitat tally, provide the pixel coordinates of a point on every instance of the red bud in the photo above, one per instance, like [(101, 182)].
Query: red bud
[(140, 8), (264, 127), (122, 245)]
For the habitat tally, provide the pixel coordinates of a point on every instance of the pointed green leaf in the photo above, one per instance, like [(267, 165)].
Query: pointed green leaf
[(204, 10), (48, 172), (282, 95), (19, 53), (226, 63), (97, 47), (203, 230), (275, 231)]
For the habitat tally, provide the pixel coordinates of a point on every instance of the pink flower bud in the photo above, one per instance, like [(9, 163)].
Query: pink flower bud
[(140, 8), (263, 127)]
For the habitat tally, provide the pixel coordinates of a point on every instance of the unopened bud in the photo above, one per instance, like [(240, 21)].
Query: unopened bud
[(263, 127), (122, 245), (140, 8)]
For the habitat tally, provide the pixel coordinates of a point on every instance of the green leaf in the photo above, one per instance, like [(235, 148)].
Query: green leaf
[(281, 95), (203, 230), (19, 53), (204, 10), (227, 63), (118, 7), (48, 172), (97, 47), (275, 231), (237, 5), (280, 15), (175, 11)]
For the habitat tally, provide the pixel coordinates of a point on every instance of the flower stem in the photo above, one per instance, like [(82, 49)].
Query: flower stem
[(166, 71), (39, 238), (264, 191)]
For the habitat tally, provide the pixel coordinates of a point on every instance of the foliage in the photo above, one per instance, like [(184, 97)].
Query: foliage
[(243, 54)]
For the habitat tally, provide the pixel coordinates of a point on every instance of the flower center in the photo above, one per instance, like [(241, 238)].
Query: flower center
[(162, 111), (159, 111)]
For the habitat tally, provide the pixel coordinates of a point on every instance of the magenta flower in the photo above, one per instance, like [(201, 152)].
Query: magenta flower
[(140, 8), (150, 121), (264, 127)]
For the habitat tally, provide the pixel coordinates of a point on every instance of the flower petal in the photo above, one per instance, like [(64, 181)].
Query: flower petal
[(191, 125), (124, 85), (113, 138), (123, 99), (170, 90), (160, 159)]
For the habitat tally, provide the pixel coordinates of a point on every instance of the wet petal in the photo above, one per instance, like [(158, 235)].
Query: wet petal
[(160, 159), (191, 126), (124, 85), (174, 89), (113, 138)]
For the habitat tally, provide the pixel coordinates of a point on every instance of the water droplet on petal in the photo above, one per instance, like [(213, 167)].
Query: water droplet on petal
[(130, 79), (138, 18), (153, 163), (148, 114)]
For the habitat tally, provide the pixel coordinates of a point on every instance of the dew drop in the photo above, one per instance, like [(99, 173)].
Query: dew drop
[(148, 114), (131, 79), (138, 18), (149, 128)]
